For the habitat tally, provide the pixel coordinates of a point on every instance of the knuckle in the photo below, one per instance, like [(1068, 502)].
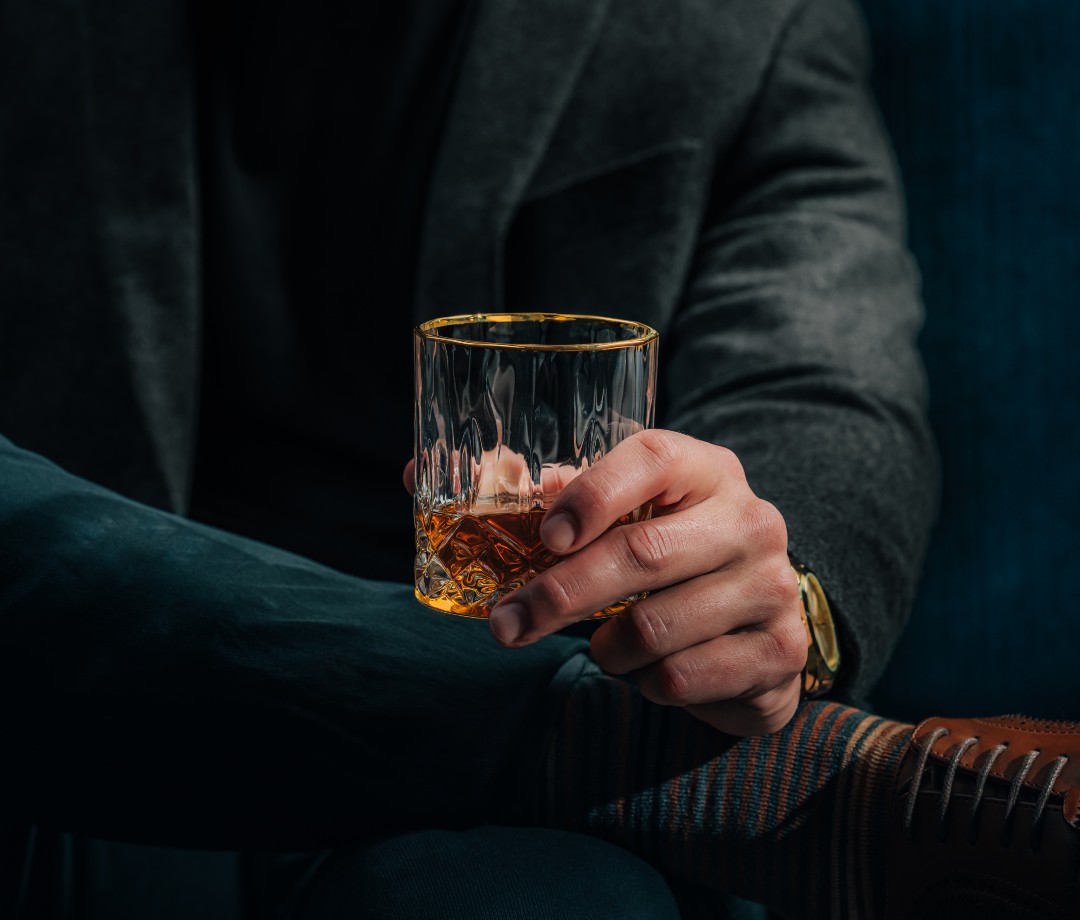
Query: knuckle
[(665, 447), (727, 460), (552, 594), (764, 526), (648, 630), (727, 469), (787, 642), (648, 546), (592, 493), (778, 587), (673, 683)]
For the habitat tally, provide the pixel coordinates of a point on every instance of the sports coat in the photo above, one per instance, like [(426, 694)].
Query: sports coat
[(715, 168)]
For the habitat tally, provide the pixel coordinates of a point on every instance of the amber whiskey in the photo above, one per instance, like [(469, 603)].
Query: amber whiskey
[(466, 561)]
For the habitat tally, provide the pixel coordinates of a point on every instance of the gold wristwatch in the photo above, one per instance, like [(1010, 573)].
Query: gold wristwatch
[(822, 646)]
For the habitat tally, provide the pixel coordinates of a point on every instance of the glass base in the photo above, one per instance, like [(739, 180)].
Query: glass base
[(445, 603)]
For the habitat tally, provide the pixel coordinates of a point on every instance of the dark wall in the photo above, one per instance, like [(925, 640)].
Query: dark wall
[(983, 101)]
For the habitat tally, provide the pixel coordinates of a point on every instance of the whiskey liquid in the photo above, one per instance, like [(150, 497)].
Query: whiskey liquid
[(466, 562)]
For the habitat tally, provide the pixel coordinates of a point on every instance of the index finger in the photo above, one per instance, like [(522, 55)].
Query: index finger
[(663, 467)]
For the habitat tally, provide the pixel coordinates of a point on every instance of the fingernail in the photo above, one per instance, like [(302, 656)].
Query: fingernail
[(558, 531), (508, 623)]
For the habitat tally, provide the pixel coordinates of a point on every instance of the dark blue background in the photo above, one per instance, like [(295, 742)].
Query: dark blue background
[(982, 98)]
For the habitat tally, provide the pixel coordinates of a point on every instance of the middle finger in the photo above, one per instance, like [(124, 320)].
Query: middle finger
[(627, 560)]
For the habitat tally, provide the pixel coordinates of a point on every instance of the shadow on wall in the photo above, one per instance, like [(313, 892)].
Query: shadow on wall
[(983, 102)]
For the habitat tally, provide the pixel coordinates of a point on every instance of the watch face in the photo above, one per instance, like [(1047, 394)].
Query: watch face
[(822, 623), (823, 648)]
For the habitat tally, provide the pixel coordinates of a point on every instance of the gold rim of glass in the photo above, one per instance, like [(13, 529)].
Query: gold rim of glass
[(429, 330)]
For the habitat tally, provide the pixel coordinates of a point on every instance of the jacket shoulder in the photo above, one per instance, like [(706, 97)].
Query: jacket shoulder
[(682, 70)]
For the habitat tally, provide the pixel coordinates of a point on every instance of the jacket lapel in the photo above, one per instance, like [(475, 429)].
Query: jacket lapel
[(521, 64)]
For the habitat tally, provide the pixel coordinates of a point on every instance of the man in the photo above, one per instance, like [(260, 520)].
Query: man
[(210, 344)]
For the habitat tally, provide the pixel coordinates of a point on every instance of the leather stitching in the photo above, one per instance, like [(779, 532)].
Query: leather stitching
[(1040, 726)]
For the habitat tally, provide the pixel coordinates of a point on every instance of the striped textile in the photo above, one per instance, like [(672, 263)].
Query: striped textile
[(790, 820)]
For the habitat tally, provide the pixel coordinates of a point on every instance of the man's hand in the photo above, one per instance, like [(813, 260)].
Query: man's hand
[(721, 631)]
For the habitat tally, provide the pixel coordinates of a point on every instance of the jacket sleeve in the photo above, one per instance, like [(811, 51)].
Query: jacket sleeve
[(168, 683), (796, 343)]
